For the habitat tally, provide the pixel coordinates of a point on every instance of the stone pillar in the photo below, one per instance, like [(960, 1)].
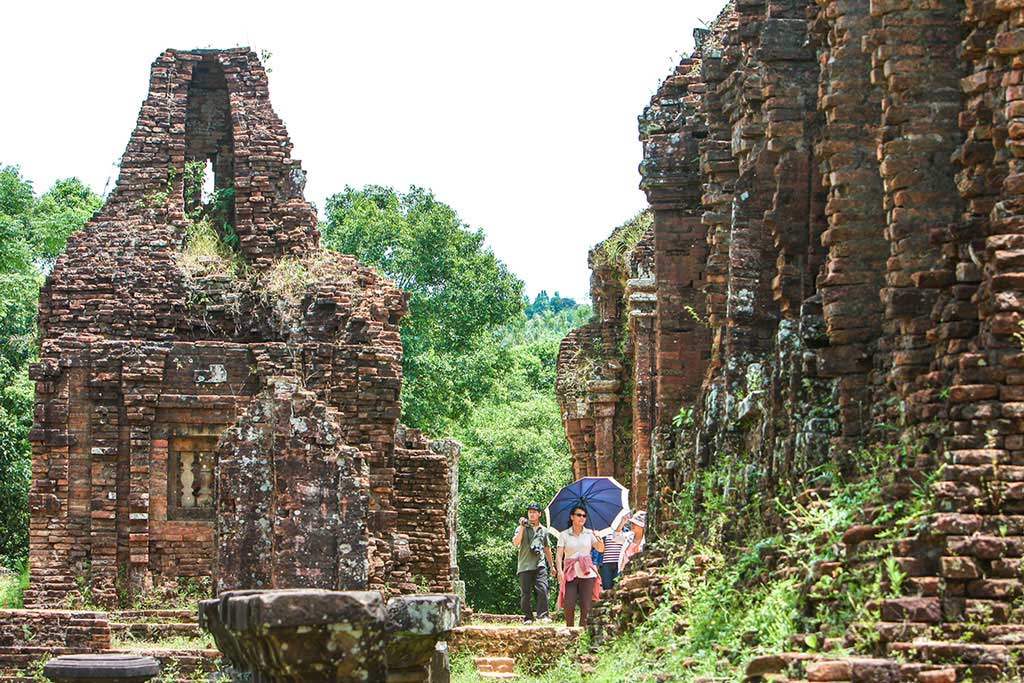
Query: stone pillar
[(854, 270), (915, 58), (643, 300), (292, 497), (602, 396), (414, 624), (453, 451)]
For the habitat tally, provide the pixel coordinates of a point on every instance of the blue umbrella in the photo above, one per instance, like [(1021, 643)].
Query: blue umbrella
[(605, 500)]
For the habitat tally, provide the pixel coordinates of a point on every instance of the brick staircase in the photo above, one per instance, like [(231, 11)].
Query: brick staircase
[(28, 638), (498, 648), (500, 668), (635, 595), (955, 615), (956, 618)]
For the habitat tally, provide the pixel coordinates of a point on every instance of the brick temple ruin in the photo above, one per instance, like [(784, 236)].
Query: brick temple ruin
[(833, 261), (233, 418)]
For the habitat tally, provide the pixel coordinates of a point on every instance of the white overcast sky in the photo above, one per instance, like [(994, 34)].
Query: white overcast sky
[(520, 115)]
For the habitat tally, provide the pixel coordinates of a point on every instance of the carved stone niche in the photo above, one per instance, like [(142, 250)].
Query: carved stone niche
[(192, 459), (317, 636)]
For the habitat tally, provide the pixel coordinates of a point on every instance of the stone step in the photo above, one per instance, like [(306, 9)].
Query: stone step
[(494, 664), (154, 631), (178, 616), (776, 663), (182, 662), (17, 659), (539, 643), (895, 631), (486, 618), (942, 651), (985, 547), (916, 672), (923, 610), (994, 634)]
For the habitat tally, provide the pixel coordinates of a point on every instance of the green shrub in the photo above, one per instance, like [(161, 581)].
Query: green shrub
[(12, 586)]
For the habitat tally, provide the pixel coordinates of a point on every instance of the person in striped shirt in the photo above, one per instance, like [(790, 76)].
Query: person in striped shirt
[(613, 543)]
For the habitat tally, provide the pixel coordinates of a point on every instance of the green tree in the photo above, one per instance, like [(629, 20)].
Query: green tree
[(459, 294), (64, 208), (33, 232)]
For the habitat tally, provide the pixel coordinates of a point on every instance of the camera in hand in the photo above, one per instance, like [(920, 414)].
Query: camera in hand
[(523, 521)]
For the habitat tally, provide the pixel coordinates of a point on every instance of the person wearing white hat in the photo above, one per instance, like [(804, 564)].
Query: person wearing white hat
[(635, 538)]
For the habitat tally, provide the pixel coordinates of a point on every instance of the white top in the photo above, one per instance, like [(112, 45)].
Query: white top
[(577, 545)]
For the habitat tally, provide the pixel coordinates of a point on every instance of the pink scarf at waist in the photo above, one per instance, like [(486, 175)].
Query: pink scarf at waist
[(575, 568)]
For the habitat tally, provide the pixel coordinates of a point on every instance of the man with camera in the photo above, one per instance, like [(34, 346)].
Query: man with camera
[(534, 563)]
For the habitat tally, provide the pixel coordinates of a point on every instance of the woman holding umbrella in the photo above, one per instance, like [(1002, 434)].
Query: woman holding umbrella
[(577, 575)]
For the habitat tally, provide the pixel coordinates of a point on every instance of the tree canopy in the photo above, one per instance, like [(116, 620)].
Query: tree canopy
[(542, 303), (460, 294)]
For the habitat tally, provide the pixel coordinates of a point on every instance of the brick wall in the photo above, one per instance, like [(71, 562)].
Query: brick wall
[(75, 630), (425, 485)]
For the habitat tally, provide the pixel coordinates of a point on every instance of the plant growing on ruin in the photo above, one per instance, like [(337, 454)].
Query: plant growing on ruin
[(183, 593), (695, 316), (13, 585), (192, 185), (206, 254), (35, 669), (684, 419), (614, 250), (894, 576), (576, 373)]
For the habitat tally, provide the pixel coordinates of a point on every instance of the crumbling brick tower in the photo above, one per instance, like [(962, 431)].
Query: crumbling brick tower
[(153, 349)]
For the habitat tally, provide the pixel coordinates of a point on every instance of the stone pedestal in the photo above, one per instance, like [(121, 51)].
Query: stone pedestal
[(101, 669), (415, 623), (288, 636)]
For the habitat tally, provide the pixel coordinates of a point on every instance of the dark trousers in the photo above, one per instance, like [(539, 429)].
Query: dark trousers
[(581, 590), (608, 573), (533, 581)]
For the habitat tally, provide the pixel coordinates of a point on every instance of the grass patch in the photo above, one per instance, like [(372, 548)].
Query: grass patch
[(204, 642), (289, 277), (12, 587), (205, 252)]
